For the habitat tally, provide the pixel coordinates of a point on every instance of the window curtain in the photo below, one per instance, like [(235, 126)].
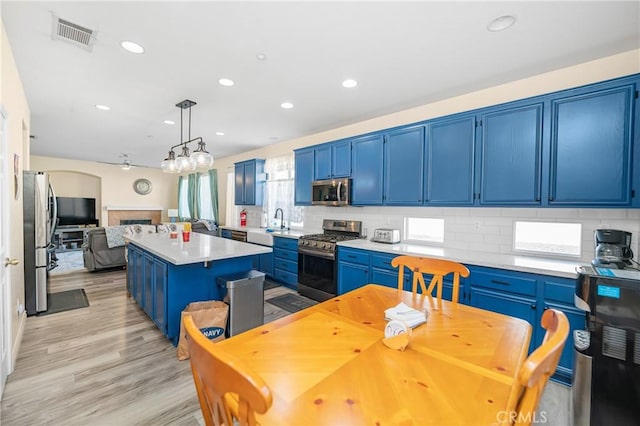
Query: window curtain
[(192, 195), (213, 187)]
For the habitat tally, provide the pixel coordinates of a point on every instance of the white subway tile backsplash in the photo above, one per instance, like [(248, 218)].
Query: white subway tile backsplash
[(483, 228), (558, 214)]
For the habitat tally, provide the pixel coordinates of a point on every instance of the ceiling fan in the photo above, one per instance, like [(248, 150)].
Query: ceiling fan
[(125, 164)]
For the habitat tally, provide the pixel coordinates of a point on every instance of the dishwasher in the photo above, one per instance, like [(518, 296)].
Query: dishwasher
[(239, 236)]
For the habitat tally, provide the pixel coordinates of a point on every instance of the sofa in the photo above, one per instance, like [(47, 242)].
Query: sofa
[(98, 255)]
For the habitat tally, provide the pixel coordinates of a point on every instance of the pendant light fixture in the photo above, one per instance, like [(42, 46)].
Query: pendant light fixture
[(186, 161)]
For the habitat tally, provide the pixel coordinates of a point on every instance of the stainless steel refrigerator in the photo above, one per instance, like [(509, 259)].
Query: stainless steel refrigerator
[(39, 226)]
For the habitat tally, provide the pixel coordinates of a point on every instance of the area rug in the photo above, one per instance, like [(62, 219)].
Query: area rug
[(268, 285), (291, 302), (66, 301)]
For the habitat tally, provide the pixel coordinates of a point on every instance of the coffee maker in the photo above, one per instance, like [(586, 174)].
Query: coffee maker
[(613, 249)]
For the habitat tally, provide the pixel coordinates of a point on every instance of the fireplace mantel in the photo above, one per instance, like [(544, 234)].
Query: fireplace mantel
[(118, 213)]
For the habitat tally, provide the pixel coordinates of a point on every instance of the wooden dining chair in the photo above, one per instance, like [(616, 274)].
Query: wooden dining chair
[(227, 388), (540, 365), (437, 268)]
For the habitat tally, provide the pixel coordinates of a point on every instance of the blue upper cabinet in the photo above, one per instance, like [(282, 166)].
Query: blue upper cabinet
[(590, 158), (249, 182), (449, 174), (367, 163), (332, 160), (511, 152), (322, 162), (404, 166), (304, 159), (341, 159)]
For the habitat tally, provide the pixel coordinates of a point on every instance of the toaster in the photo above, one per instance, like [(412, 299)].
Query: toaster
[(383, 235)]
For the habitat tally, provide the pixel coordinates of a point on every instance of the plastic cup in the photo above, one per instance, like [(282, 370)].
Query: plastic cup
[(186, 235)]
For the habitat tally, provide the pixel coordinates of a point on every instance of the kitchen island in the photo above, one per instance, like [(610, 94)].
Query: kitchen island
[(164, 275)]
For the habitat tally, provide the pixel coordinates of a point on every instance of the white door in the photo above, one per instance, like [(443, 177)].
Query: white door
[(6, 184)]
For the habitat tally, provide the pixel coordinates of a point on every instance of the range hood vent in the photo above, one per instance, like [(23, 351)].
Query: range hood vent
[(73, 33)]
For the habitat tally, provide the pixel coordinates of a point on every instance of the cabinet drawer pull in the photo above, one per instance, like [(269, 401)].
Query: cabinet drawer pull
[(500, 282), (533, 306), (350, 256)]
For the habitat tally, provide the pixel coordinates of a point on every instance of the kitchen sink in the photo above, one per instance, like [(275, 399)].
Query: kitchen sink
[(259, 236)]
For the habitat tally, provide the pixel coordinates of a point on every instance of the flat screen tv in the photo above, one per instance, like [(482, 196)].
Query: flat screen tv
[(75, 211)]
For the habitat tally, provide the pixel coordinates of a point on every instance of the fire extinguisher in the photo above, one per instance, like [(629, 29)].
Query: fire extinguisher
[(243, 218)]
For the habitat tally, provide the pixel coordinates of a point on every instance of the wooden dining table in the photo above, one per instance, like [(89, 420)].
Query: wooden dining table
[(327, 364)]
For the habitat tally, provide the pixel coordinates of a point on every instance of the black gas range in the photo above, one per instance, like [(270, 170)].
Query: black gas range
[(317, 254)]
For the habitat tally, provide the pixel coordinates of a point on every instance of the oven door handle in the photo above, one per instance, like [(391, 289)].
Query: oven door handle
[(308, 252), (339, 188)]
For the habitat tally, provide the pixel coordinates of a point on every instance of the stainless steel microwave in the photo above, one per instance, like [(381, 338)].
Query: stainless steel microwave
[(331, 192)]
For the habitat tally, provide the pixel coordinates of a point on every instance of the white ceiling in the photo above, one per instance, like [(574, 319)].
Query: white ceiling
[(402, 55)]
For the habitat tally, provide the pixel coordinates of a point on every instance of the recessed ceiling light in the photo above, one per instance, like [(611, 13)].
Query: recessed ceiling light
[(286, 105), (103, 107), (220, 133), (226, 82), (349, 83), (132, 47), (261, 57), (501, 23), (169, 122)]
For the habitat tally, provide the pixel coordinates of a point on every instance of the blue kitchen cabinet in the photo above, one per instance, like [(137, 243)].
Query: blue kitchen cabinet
[(449, 164), (341, 159), (132, 255), (332, 160), (147, 295), (383, 273), (304, 176), (404, 166), (160, 269), (511, 153), (264, 263), (506, 292), (591, 142), (322, 162), (285, 261), (559, 294), (353, 269), (367, 163), (249, 182)]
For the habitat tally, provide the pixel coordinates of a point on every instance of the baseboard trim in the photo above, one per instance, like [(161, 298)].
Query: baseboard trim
[(15, 348)]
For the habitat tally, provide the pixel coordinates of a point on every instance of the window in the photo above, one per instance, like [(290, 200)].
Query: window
[(279, 192), (420, 229), (548, 237), (203, 198)]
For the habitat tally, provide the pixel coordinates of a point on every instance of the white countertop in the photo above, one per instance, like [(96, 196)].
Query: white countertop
[(536, 265), (200, 248)]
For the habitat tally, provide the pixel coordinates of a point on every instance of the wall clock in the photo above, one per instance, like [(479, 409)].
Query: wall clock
[(142, 186)]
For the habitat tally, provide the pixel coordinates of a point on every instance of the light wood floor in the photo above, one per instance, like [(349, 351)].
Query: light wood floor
[(109, 365)]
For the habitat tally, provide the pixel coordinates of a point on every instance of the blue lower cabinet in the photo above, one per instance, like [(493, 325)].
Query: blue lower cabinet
[(285, 261), (523, 308), (576, 322), (352, 276), (264, 263)]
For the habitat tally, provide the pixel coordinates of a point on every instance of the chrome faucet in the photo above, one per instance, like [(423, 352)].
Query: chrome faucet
[(281, 217)]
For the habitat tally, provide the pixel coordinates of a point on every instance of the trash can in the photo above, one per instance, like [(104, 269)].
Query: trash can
[(245, 296)]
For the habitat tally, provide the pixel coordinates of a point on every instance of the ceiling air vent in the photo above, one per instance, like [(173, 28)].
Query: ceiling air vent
[(73, 33)]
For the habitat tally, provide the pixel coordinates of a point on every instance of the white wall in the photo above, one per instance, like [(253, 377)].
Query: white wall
[(14, 102), (115, 184)]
